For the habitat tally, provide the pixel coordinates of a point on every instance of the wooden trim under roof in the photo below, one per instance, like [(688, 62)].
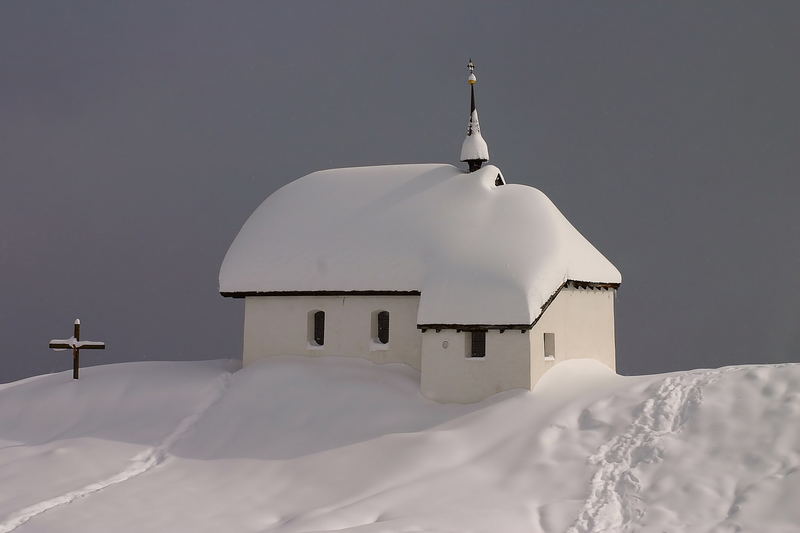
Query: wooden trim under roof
[(590, 285), (522, 327), (244, 294)]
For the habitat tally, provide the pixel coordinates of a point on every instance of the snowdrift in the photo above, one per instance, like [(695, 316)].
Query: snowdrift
[(340, 444)]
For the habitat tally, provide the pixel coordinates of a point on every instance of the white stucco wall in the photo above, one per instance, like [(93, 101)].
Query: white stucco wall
[(581, 319), (448, 375), (278, 325), (583, 323)]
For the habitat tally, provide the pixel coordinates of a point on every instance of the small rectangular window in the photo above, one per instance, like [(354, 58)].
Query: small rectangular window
[(383, 327), (477, 344), (549, 345), (319, 328)]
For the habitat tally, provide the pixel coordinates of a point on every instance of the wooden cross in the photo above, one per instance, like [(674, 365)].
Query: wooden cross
[(76, 345)]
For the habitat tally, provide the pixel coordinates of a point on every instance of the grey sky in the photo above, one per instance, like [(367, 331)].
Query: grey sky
[(136, 138)]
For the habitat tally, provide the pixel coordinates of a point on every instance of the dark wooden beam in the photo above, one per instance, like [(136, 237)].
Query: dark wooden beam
[(522, 327), (438, 327), (60, 346), (592, 285), (244, 294), (472, 327), (76, 352), (84, 345)]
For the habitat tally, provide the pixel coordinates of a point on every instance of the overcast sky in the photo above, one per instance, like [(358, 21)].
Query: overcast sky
[(137, 137)]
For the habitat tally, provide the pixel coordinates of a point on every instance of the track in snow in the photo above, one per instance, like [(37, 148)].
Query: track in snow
[(613, 503), (139, 464)]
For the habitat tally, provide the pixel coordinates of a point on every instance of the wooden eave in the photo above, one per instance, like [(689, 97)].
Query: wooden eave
[(588, 285), (244, 294)]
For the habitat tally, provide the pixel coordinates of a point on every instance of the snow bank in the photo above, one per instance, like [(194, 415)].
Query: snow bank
[(478, 253), (61, 439), (297, 444)]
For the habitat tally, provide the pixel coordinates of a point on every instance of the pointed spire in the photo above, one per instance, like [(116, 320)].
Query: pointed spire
[(474, 149)]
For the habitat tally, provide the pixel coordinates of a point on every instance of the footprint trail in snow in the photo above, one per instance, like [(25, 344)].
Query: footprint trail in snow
[(139, 464), (613, 503)]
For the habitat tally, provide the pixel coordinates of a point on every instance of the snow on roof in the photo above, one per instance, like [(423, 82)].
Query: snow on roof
[(477, 253)]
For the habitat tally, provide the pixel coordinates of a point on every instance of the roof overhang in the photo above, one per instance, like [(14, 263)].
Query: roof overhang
[(589, 285)]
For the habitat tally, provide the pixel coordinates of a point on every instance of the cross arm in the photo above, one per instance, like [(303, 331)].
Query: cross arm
[(71, 343), (91, 345), (59, 345)]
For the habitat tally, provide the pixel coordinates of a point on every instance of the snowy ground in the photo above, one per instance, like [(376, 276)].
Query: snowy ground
[(333, 444)]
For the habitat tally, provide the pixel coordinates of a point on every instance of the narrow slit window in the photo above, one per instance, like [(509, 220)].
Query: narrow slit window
[(383, 327), (549, 345), (318, 328), (477, 344)]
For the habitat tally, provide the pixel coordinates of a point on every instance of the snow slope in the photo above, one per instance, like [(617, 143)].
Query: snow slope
[(340, 444)]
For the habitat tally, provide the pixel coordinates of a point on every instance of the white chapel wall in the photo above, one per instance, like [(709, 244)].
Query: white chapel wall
[(582, 321), (279, 325), (449, 375)]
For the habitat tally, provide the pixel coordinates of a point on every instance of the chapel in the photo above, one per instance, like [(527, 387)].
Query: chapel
[(480, 284)]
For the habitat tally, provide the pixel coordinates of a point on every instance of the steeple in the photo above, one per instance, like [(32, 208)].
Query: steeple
[(473, 150)]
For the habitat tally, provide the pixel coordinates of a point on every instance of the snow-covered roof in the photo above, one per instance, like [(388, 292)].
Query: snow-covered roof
[(476, 252)]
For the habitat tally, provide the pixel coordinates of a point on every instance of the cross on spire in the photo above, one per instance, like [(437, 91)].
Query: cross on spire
[(474, 150), (76, 345)]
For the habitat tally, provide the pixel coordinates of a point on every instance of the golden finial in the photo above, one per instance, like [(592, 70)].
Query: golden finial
[(471, 79)]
